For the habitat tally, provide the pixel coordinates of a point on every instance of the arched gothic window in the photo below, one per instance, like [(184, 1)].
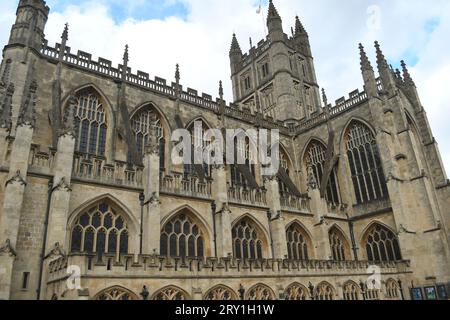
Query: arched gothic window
[(90, 124), (324, 291), (285, 166), (170, 293), (116, 293), (182, 237), (100, 229), (338, 244), (296, 292), (365, 164), (260, 292), (220, 293), (297, 242), (316, 157), (247, 240), (198, 144), (243, 152), (382, 244), (392, 289), (351, 291), (147, 122)]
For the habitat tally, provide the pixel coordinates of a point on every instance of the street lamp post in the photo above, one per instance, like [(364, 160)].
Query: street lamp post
[(241, 291), (141, 201), (401, 289), (144, 293)]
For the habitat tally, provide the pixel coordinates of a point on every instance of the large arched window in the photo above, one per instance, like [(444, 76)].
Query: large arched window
[(116, 293), (351, 291), (260, 292), (365, 164), (324, 291), (247, 240), (170, 293), (244, 159), (315, 158), (197, 130), (90, 123), (296, 291), (182, 236), (339, 245), (220, 292), (147, 122), (382, 244), (298, 243), (100, 229)]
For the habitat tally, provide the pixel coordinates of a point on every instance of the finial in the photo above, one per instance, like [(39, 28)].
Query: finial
[(27, 113), (69, 117), (177, 73), (65, 34), (406, 74), (365, 62), (251, 43), (273, 13), (220, 90), (324, 98), (235, 48), (398, 74)]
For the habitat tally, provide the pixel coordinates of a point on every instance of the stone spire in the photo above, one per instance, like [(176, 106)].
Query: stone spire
[(299, 29), (220, 90), (273, 13), (65, 34), (69, 118), (386, 73), (27, 115), (365, 62), (6, 107), (406, 75), (235, 47), (324, 98), (177, 73)]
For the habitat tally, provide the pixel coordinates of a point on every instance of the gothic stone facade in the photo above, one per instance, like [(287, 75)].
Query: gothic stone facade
[(86, 179)]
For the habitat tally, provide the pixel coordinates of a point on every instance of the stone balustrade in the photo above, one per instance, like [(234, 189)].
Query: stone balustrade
[(296, 204), (190, 185), (153, 265), (247, 196)]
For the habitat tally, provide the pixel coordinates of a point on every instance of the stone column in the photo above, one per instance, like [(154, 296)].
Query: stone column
[(277, 224), (12, 205), (224, 242), (60, 198), (151, 220)]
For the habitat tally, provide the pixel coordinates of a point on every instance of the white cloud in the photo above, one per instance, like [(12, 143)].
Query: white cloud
[(200, 43)]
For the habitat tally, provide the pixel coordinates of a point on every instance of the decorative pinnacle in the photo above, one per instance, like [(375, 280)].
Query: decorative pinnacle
[(5, 115), (273, 13), (365, 62), (177, 73), (65, 34), (381, 60), (125, 55), (235, 48), (324, 98), (220, 90), (406, 74), (299, 29)]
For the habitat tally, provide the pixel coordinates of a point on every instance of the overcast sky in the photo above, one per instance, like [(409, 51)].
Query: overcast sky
[(197, 35)]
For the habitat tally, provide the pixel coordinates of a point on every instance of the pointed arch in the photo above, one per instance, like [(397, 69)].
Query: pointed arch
[(94, 120), (296, 291), (351, 290), (250, 239), (220, 292), (116, 293), (260, 292), (299, 241), (324, 291), (101, 227), (171, 293), (339, 244), (199, 118), (311, 140), (314, 158), (183, 234), (354, 119), (380, 243), (392, 289), (365, 163), (155, 106)]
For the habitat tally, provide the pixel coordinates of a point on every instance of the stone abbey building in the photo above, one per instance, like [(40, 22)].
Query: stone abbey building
[(92, 207)]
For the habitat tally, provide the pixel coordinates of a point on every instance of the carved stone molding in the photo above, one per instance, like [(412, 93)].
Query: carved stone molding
[(8, 249), (63, 185), (57, 251), (17, 178)]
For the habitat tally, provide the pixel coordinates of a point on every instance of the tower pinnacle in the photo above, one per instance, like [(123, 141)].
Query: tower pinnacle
[(365, 63), (235, 47)]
